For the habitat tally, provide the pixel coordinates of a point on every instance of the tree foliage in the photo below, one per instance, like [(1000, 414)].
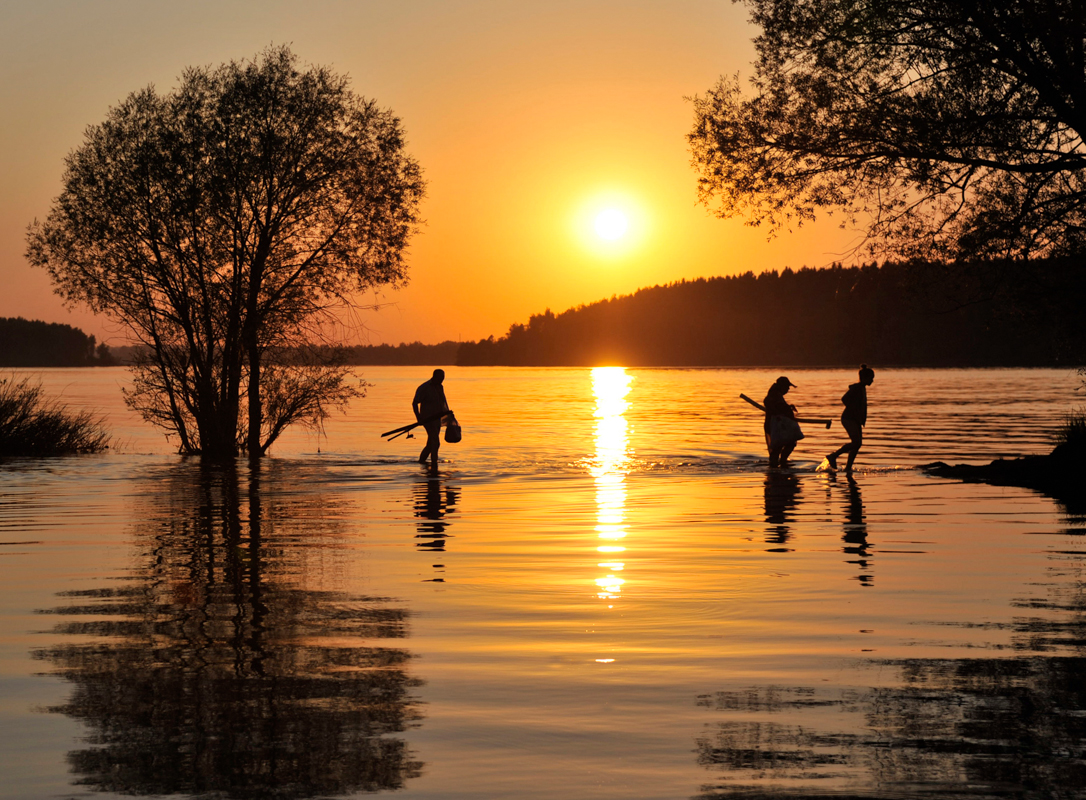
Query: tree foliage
[(946, 128), (219, 222)]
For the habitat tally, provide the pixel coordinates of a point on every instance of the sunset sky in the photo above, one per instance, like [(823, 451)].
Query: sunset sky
[(529, 118)]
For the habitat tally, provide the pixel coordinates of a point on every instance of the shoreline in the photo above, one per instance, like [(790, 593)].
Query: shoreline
[(1060, 474)]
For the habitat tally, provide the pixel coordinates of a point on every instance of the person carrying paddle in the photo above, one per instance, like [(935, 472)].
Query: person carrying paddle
[(430, 405), (853, 418), (782, 432)]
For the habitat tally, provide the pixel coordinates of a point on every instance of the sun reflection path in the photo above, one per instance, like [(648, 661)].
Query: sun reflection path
[(611, 385)]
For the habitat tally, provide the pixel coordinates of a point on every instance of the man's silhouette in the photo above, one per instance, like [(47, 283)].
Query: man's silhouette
[(430, 406)]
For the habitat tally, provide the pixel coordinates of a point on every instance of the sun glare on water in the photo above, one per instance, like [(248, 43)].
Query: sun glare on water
[(611, 385)]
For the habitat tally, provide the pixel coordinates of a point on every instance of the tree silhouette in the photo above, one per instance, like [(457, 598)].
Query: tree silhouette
[(947, 127), (214, 669), (219, 222)]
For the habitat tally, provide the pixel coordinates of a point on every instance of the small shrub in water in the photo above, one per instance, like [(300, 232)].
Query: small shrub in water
[(1073, 431), (33, 425)]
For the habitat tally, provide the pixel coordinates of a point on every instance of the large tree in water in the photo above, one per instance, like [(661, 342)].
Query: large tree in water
[(220, 222), (947, 128)]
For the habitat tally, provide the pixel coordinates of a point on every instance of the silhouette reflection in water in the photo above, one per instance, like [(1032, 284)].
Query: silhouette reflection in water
[(855, 533), (434, 502), (214, 669), (782, 495), (1010, 727)]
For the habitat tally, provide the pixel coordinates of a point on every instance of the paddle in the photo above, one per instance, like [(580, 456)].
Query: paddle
[(397, 432), (805, 421)]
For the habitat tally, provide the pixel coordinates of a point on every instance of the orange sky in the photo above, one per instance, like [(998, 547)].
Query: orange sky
[(527, 116)]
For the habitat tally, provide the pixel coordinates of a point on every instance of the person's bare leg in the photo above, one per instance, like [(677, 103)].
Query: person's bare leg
[(840, 451), (856, 438), (852, 456), (832, 457)]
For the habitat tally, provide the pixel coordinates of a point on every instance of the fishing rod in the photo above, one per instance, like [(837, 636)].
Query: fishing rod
[(804, 420), (395, 433)]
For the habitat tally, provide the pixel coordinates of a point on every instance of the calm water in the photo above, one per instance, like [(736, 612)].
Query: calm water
[(602, 594)]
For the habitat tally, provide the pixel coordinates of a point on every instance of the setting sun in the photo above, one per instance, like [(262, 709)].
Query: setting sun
[(611, 224)]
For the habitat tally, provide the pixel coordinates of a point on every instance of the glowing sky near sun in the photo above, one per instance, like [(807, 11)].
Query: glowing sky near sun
[(531, 119)]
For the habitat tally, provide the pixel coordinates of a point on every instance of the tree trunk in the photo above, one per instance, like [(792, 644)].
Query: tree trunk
[(250, 330), (255, 409)]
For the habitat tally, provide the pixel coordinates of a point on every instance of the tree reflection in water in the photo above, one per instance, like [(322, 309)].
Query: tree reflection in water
[(216, 670), (973, 727)]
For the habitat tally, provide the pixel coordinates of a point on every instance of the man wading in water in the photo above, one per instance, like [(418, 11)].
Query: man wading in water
[(430, 406), (782, 432), (853, 418)]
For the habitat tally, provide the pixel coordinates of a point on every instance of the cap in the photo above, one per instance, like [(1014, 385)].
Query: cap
[(784, 380)]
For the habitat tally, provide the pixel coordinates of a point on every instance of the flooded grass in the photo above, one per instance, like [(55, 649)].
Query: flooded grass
[(34, 425), (1073, 431)]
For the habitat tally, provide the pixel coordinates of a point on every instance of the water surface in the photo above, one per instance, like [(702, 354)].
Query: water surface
[(603, 593)]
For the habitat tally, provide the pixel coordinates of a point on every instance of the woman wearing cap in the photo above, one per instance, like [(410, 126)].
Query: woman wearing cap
[(784, 441), (853, 418)]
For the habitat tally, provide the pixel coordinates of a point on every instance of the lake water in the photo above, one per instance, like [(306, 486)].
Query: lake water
[(603, 593)]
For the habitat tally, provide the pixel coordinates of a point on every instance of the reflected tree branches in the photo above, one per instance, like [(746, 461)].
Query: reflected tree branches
[(216, 668)]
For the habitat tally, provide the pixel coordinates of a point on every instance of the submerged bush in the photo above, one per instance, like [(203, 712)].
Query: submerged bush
[(34, 425), (1073, 431)]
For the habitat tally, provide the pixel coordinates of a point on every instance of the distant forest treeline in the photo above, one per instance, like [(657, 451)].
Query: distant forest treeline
[(410, 354), (414, 353), (995, 314), (991, 314), (32, 343)]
